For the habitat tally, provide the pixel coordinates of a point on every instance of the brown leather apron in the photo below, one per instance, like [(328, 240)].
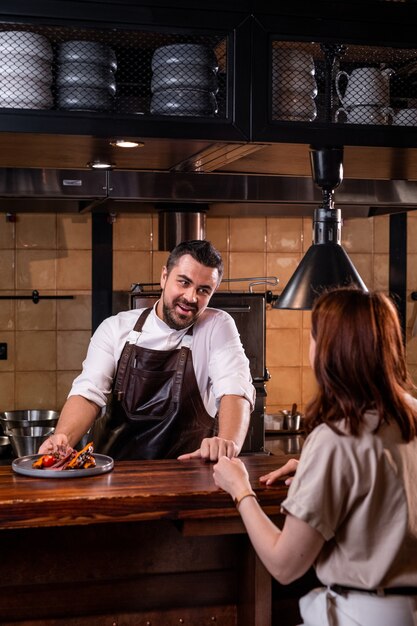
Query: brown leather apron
[(156, 410)]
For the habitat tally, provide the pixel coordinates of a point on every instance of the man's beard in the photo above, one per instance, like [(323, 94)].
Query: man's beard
[(175, 320)]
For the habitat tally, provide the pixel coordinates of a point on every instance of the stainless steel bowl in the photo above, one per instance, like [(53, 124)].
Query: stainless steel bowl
[(26, 440), (5, 447), (29, 415), (33, 417)]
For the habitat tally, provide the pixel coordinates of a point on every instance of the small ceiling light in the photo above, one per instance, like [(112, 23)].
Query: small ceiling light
[(100, 165), (126, 143)]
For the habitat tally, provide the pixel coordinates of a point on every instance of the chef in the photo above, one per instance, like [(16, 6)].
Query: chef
[(171, 381)]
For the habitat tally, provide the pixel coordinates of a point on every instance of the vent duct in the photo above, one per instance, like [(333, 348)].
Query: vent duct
[(325, 264), (180, 222)]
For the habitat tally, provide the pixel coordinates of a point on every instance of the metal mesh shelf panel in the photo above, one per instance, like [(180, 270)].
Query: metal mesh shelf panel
[(80, 69), (368, 84)]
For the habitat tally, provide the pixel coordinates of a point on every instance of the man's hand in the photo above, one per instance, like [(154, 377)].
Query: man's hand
[(289, 468), (54, 443), (212, 449)]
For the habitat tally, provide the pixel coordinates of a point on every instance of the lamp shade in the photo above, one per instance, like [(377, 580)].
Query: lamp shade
[(323, 266)]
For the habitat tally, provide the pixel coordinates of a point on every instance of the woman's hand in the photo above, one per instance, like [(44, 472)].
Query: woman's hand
[(232, 476), (289, 468), (54, 443)]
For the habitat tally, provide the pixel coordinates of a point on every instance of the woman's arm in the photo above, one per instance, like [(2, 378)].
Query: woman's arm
[(287, 555)]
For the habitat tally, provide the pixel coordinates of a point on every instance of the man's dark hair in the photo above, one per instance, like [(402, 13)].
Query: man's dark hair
[(201, 250)]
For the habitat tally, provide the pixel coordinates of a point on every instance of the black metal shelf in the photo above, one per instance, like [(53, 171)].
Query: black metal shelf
[(249, 27)]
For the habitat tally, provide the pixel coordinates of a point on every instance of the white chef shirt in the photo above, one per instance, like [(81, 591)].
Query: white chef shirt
[(220, 364)]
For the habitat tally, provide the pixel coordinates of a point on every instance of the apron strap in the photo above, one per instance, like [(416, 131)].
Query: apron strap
[(131, 343), (126, 353)]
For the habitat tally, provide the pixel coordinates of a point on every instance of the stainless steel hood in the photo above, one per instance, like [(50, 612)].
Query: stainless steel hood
[(26, 189)]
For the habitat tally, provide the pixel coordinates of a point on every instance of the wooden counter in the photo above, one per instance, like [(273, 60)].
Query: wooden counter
[(152, 542)]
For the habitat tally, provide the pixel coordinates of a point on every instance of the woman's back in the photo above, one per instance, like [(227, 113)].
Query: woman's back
[(360, 494)]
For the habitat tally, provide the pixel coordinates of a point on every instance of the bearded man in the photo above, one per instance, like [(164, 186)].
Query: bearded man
[(171, 381)]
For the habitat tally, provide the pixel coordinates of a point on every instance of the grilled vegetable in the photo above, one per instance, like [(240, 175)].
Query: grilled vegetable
[(70, 459)]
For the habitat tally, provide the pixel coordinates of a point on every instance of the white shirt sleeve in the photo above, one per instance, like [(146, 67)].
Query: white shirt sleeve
[(99, 366), (228, 369)]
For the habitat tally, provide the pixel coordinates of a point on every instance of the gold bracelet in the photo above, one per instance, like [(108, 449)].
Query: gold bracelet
[(246, 494)]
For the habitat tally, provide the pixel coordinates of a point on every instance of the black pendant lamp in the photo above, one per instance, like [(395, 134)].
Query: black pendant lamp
[(325, 264)]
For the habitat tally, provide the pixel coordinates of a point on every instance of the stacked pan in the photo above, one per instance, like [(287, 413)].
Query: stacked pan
[(184, 80), (85, 77), (25, 70)]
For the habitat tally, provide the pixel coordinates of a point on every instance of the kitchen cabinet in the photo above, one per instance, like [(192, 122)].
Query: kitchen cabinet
[(336, 38), (133, 33), (244, 37)]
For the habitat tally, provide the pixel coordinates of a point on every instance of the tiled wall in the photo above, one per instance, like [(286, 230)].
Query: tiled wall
[(52, 253)]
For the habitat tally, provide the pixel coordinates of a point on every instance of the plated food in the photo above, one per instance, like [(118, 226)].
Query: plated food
[(68, 459)]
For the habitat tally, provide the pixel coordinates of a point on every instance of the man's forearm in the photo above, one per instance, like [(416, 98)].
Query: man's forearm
[(234, 417), (77, 416)]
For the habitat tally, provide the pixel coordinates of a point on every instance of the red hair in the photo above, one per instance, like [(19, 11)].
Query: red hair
[(359, 362)]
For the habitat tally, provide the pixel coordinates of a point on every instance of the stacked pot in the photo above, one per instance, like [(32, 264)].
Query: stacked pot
[(294, 87), (25, 70), (85, 76), (184, 80)]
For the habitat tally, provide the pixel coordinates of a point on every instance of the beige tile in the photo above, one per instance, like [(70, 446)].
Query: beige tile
[(247, 265), (36, 269), (307, 236), (130, 267), (158, 261), (40, 316), (412, 272), (411, 313), (64, 382), (381, 234), (35, 390), (309, 385), (217, 231), (7, 391), (284, 235), (7, 313), (381, 272), (74, 232), (36, 230), (284, 388), (282, 266), (363, 264), (8, 365), (247, 234), (154, 231), (357, 235), (35, 350), (305, 347), (225, 285), (74, 314), (7, 269), (411, 350), (72, 347), (132, 232), (74, 270), (307, 319), (7, 233), (277, 318), (411, 234), (283, 347)]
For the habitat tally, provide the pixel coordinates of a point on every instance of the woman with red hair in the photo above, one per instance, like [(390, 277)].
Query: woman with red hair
[(351, 509)]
